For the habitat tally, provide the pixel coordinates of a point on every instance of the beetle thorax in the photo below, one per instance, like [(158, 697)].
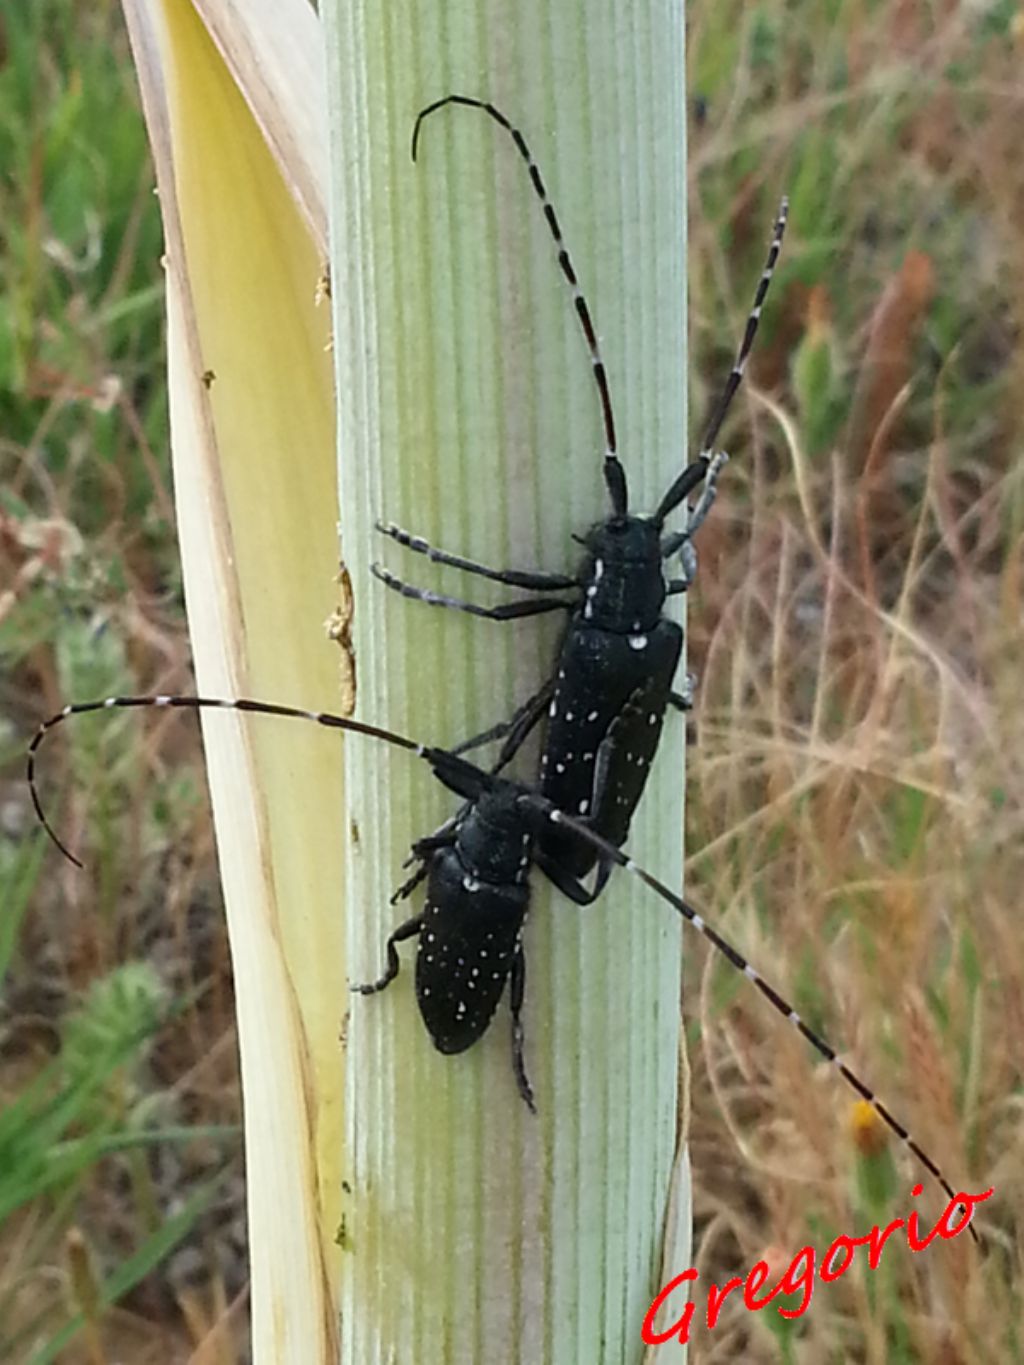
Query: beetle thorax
[(623, 581), (493, 839)]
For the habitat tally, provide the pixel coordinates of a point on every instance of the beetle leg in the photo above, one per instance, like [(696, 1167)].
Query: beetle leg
[(409, 929), (411, 883), (697, 514), (512, 578), (517, 727), (517, 992), (423, 850), (681, 542), (683, 701), (571, 887), (506, 611), (688, 564)]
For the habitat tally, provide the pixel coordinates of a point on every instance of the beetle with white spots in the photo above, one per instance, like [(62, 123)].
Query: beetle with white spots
[(613, 680)]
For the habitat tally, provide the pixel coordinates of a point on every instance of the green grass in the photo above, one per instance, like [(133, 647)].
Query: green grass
[(112, 1128), (856, 793)]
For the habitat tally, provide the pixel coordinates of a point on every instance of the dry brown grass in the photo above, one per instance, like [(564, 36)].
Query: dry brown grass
[(856, 795)]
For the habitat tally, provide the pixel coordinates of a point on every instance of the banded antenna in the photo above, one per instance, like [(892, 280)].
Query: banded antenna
[(679, 489), (750, 332)]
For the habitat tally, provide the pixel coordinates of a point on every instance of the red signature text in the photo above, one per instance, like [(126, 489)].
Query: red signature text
[(799, 1276)]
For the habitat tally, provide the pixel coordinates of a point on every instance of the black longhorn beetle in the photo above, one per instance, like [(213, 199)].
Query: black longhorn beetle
[(470, 930), (612, 683)]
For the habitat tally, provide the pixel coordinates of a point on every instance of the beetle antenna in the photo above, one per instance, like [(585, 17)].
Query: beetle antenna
[(721, 409), (325, 718)]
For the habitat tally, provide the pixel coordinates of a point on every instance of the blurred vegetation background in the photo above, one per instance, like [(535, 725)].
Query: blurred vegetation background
[(857, 777)]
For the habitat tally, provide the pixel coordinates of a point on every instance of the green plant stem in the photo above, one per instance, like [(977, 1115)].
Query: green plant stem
[(467, 414)]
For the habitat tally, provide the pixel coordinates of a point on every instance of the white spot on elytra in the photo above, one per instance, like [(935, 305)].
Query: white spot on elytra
[(638, 642)]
